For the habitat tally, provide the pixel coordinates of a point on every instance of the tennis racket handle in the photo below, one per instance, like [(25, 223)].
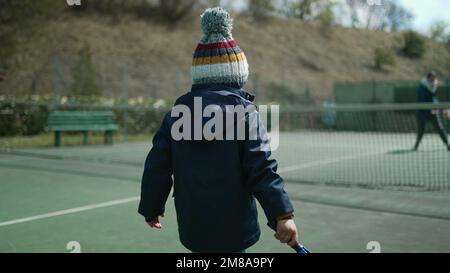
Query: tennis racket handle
[(301, 249)]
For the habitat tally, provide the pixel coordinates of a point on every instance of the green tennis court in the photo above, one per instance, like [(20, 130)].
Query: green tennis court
[(369, 160), (50, 197)]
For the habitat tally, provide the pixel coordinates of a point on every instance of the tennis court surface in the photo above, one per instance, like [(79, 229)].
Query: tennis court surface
[(349, 189)]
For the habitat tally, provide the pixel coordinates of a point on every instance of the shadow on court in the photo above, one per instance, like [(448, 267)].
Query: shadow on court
[(401, 152), (412, 151)]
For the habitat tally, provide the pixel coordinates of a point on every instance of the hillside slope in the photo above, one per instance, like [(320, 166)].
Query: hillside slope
[(138, 58)]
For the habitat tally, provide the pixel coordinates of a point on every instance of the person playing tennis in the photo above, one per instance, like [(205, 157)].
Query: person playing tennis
[(215, 181), (426, 93)]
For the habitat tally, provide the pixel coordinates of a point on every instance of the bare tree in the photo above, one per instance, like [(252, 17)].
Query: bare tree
[(364, 13), (440, 31), (260, 10), (301, 9), (396, 17), (304, 9), (388, 15), (354, 7)]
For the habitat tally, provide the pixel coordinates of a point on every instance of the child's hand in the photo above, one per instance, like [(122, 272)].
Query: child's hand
[(287, 232), (155, 223)]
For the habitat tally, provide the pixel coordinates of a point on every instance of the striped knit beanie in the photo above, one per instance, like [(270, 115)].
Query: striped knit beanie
[(218, 58)]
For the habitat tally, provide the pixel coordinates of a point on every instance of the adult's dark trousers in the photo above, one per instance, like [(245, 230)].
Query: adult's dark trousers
[(422, 119)]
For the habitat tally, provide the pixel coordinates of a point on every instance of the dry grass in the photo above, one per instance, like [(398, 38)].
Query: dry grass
[(158, 59)]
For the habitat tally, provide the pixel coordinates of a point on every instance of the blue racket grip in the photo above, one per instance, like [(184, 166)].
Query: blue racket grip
[(301, 249)]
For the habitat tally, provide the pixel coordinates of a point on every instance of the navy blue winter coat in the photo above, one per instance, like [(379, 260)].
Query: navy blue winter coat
[(215, 182), (425, 95)]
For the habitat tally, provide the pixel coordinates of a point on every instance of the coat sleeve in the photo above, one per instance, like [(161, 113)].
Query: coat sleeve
[(421, 95), (260, 174), (157, 177)]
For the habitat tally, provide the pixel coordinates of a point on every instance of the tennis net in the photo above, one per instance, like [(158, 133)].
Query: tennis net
[(364, 145)]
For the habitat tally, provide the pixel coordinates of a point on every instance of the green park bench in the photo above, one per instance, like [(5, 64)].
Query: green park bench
[(78, 121)]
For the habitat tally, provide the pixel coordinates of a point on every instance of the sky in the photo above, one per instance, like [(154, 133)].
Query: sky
[(427, 12)]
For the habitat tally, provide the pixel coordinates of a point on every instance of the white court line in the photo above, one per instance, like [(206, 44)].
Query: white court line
[(324, 162), (136, 198), (70, 211)]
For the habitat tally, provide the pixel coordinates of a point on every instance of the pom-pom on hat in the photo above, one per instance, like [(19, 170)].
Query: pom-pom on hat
[(218, 58)]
